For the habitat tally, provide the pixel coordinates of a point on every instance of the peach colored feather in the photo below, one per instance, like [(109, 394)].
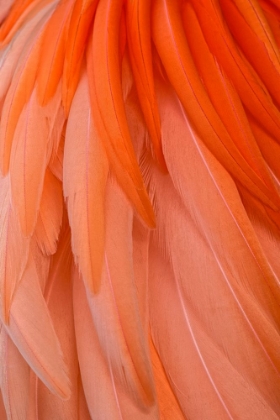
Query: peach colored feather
[(85, 174), (187, 83), (139, 210)]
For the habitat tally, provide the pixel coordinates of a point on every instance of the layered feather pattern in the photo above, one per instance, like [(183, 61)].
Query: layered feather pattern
[(140, 209)]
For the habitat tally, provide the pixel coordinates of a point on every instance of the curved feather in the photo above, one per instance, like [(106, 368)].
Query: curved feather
[(32, 331), (249, 86), (14, 249), (140, 49), (257, 41), (15, 380), (19, 94), (49, 215), (28, 163), (170, 41), (54, 40), (224, 97), (58, 295), (79, 29), (85, 174), (108, 107), (115, 308)]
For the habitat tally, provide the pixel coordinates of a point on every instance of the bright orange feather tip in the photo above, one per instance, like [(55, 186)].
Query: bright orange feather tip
[(108, 107), (139, 209), (140, 48)]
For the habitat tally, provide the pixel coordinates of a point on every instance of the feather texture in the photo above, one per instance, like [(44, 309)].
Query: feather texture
[(85, 174), (140, 209), (105, 91)]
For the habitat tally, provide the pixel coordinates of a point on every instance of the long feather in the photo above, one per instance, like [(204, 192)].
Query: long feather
[(108, 107), (115, 309), (186, 232), (28, 163), (85, 174), (19, 94), (14, 249), (140, 49), (32, 331), (79, 29), (15, 380), (257, 41), (170, 41), (50, 215), (105, 397), (224, 97), (58, 295), (252, 91), (50, 68)]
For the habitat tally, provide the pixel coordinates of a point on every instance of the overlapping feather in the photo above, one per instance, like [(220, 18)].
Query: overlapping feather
[(138, 111)]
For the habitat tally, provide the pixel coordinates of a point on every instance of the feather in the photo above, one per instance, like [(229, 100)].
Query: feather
[(14, 249), (5, 8), (253, 287), (15, 380), (108, 107), (50, 68), (2, 408), (169, 407), (49, 215), (58, 295), (115, 308), (80, 24), (84, 180), (257, 41), (224, 97), (18, 9), (140, 49), (272, 15), (105, 398), (18, 95), (249, 86), (32, 331), (170, 41), (211, 377), (11, 53), (28, 164)]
